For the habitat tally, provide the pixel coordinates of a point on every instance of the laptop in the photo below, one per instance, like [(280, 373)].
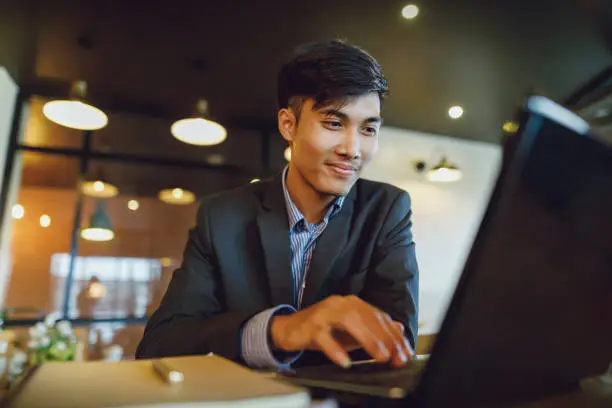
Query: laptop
[(532, 312)]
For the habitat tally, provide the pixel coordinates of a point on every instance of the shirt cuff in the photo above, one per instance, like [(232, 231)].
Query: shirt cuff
[(256, 350)]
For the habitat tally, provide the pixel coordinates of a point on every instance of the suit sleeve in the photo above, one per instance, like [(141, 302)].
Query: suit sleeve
[(392, 283), (191, 318)]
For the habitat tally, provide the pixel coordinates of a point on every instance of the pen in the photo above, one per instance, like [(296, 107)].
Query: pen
[(167, 373)]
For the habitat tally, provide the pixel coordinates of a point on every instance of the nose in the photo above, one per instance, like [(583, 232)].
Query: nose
[(350, 148)]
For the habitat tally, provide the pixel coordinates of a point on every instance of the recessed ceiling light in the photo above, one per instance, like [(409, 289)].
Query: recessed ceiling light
[(287, 153), (455, 112), (133, 205), (45, 220), (510, 126), (255, 180), (410, 11), (18, 211)]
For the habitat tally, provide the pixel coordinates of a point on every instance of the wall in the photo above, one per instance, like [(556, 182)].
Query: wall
[(155, 230), (446, 216), (8, 94)]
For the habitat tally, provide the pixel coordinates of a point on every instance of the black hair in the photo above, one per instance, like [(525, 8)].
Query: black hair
[(329, 72)]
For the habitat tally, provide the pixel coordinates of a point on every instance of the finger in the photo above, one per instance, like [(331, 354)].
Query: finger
[(407, 347), (354, 324), (326, 343), (400, 353), (399, 325)]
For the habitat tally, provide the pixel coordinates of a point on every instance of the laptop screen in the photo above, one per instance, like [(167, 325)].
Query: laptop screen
[(531, 313)]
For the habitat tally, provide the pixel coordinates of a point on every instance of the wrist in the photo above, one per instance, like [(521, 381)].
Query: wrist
[(277, 332)]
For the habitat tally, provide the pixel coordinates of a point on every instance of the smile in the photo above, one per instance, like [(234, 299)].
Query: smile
[(342, 170)]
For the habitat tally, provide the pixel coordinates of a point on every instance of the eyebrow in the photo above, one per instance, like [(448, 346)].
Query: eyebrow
[(341, 115)]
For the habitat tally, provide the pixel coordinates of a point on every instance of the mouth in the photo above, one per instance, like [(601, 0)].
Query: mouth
[(342, 169)]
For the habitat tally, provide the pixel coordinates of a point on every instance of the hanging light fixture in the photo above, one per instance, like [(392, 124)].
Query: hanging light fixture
[(99, 225), (176, 196), (444, 172), (287, 153), (99, 189), (197, 130), (74, 113)]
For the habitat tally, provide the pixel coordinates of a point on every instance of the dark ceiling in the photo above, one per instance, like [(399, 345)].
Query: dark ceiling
[(158, 58)]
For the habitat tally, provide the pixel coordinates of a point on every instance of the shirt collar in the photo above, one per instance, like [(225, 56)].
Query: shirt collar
[(294, 214)]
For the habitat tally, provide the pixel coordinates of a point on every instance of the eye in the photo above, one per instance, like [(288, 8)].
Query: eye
[(332, 124), (371, 131)]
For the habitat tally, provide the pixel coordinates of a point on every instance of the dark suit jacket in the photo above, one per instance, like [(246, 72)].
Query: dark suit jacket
[(237, 263)]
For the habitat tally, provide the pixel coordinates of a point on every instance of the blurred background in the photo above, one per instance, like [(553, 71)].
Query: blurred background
[(95, 214)]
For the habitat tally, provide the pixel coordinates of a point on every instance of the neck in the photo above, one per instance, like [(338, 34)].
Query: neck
[(311, 203)]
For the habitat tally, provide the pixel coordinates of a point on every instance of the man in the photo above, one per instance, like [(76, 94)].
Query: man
[(313, 262)]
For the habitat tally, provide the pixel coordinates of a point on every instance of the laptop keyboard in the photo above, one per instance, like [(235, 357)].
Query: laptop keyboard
[(374, 374)]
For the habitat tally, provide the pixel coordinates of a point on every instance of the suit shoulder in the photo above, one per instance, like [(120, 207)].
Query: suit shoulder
[(230, 200)]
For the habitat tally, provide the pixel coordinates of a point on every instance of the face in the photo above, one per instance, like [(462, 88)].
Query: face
[(331, 145)]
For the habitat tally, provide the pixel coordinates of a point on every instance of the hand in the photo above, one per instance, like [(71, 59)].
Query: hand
[(338, 324)]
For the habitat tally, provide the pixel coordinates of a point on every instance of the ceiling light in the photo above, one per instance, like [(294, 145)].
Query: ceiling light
[(176, 196), (45, 220), (165, 262), (444, 172), (99, 189), (287, 153), (199, 131), (133, 205), (96, 290), (18, 211), (215, 159), (510, 126), (455, 112), (410, 11), (255, 180), (99, 226), (74, 113)]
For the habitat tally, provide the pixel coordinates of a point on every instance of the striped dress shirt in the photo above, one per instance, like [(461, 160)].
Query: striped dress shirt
[(303, 238)]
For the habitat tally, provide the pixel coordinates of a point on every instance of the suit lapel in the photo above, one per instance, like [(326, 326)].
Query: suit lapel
[(330, 244), (274, 234)]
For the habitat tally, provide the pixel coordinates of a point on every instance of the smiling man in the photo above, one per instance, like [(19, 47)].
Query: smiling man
[(313, 264)]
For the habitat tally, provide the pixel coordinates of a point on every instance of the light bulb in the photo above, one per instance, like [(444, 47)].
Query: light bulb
[(133, 205), (18, 211), (455, 112), (287, 153), (198, 131), (75, 115), (410, 11), (45, 220)]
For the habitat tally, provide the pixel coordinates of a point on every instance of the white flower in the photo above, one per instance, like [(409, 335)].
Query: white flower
[(38, 330), (45, 341), (19, 357), (33, 344), (51, 319), (60, 346), (64, 328), (15, 368)]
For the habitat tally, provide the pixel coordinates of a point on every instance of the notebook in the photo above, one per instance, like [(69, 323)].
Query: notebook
[(209, 381)]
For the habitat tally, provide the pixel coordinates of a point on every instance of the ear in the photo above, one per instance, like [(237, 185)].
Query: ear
[(287, 124)]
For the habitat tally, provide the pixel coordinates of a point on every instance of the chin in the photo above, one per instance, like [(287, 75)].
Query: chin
[(336, 187)]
